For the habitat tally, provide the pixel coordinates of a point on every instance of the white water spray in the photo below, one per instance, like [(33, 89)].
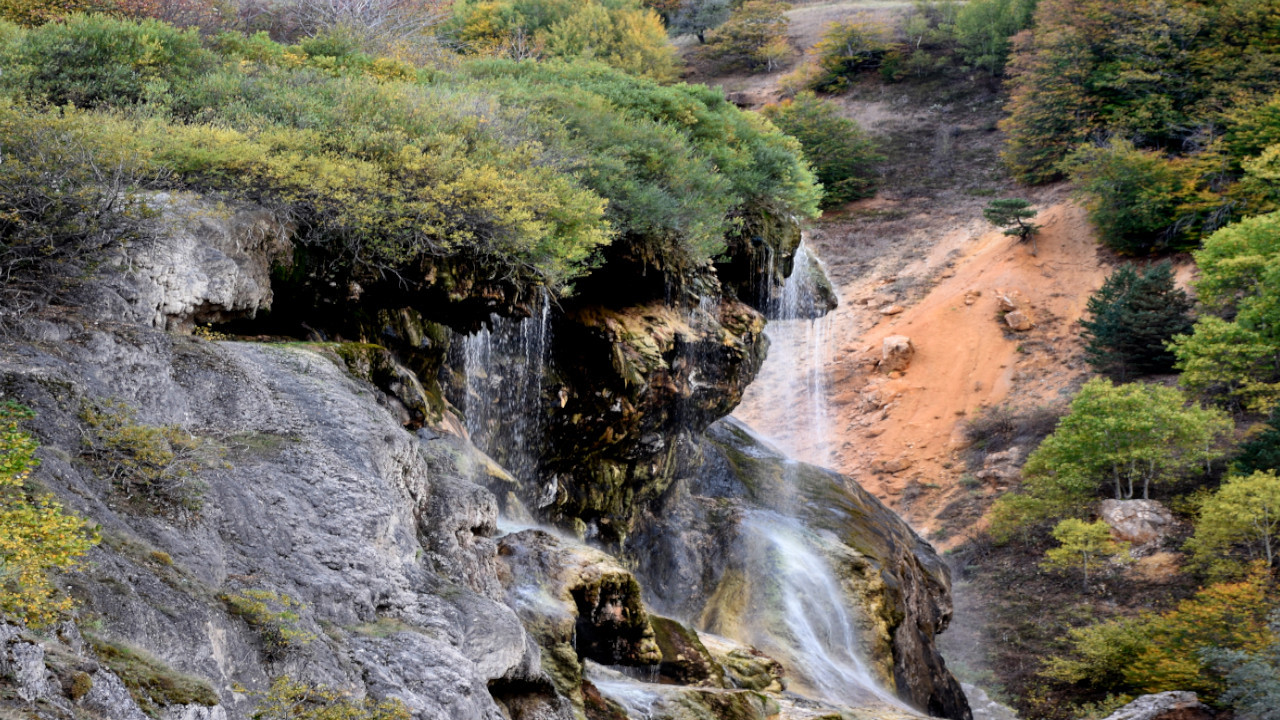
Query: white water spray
[(790, 392), (505, 364), (809, 622)]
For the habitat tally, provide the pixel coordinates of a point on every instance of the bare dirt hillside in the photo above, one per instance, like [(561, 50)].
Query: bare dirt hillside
[(922, 250)]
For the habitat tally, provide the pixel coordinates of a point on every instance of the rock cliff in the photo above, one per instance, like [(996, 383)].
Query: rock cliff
[(322, 513)]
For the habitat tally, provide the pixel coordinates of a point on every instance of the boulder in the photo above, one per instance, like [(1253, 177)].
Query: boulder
[(1018, 321), (896, 353), (1177, 705), (891, 310), (1001, 467), (1141, 522)]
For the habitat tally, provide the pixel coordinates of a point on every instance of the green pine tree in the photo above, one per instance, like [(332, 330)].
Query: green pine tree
[(1134, 315), (1013, 214)]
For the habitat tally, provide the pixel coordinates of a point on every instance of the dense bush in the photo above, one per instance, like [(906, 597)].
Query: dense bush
[(519, 172), (1132, 318), (622, 33), (98, 60), (844, 158)]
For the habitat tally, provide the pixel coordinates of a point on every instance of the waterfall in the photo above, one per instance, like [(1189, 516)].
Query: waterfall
[(803, 616), (790, 393), (505, 363)]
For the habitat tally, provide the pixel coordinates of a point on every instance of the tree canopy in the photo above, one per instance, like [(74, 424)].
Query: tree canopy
[(1132, 318)]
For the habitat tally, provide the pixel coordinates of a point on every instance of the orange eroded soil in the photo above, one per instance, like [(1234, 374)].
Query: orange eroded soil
[(900, 434)]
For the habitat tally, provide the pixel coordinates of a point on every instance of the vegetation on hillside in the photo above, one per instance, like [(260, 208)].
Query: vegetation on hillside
[(517, 173), (37, 536)]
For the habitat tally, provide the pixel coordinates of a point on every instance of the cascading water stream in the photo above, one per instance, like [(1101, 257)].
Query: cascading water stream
[(806, 620), (791, 390), (805, 616), (505, 363)]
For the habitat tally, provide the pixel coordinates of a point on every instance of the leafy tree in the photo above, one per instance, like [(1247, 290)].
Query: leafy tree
[(1013, 214), (842, 155), (37, 536), (1133, 316), (696, 17), (983, 29), (1244, 511), (745, 39), (1133, 196), (1081, 544), (1113, 435), (848, 48), (1239, 280)]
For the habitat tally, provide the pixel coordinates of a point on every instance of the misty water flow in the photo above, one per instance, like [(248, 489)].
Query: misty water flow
[(803, 618), (790, 393), (505, 364)]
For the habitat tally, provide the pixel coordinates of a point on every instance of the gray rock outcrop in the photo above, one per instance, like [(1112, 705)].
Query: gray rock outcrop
[(1145, 523), (1177, 705)]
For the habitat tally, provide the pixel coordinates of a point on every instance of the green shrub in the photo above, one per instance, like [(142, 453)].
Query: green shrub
[(844, 158), (153, 467), (273, 616), (151, 682), (289, 699), (93, 60)]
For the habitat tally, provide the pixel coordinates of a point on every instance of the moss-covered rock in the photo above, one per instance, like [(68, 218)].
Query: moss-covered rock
[(685, 659), (579, 604)]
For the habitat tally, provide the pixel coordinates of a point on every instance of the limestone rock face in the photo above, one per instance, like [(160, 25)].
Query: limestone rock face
[(1141, 522), (320, 495), (210, 263), (1164, 706), (896, 353)]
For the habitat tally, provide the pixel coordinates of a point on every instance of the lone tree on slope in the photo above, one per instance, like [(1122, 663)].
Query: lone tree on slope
[(1013, 214)]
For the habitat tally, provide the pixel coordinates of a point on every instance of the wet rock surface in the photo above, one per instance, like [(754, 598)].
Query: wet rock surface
[(694, 553)]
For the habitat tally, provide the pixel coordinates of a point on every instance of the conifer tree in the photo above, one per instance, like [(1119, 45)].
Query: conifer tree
[(1133, 316), (1013, 214)]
